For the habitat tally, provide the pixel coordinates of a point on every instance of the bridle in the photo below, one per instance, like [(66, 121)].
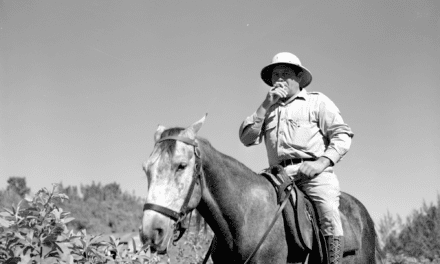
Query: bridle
[(178, 217)]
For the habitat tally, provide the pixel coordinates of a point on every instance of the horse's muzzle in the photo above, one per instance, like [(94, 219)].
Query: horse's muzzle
[(155, 231)]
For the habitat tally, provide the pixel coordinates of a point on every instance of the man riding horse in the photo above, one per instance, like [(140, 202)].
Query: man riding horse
[(304, 133)]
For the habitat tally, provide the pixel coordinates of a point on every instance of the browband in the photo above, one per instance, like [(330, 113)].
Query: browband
[(182, 139)]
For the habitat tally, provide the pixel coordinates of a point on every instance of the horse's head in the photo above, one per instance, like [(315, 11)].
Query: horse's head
[(174, 187)]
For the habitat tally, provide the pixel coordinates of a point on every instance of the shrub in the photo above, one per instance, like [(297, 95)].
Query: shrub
[(35, 231)]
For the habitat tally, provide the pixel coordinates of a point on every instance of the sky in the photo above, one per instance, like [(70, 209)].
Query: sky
[(85, 84)]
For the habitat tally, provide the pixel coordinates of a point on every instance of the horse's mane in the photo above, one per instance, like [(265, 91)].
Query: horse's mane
[(225, 158)]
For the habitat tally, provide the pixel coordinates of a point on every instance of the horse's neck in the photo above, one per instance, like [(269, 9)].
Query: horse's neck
[(227, 184), (216, 190)]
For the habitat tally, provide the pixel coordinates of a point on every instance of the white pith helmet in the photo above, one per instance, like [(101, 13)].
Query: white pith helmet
[(291, 60)]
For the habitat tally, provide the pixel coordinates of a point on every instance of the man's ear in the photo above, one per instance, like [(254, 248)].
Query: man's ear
[(159, 131)]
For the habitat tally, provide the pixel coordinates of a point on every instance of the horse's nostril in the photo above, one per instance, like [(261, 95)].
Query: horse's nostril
[(155, 236), (159, 232), (143, 239)]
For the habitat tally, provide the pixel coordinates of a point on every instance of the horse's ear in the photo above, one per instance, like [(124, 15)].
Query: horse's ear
[(159, 131), (197, 125)]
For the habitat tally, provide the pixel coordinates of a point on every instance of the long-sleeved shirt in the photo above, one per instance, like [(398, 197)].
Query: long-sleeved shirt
[(308, 125)]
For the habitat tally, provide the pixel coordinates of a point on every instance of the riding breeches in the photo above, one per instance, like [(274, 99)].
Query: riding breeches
[(324, 191)]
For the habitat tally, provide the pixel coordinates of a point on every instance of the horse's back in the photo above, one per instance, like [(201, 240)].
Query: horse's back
[(360, 240)]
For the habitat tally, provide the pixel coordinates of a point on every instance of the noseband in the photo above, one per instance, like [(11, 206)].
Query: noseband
[(178, 216)]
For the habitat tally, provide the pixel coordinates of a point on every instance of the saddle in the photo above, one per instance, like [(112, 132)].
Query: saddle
[(301, 218)]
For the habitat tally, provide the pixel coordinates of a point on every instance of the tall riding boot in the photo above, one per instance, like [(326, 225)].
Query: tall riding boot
[(334, 249)]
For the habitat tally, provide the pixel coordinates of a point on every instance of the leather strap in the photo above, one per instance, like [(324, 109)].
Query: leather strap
[(186, 140), (163, 210), (277, 214), (294, 161)]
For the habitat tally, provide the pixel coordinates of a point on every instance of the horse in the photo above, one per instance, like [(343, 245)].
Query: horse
[(185, 172)]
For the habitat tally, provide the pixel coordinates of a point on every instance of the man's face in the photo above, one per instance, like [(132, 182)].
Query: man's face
[(284, 77)]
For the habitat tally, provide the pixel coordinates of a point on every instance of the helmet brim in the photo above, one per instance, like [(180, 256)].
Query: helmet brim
[(266, 73)]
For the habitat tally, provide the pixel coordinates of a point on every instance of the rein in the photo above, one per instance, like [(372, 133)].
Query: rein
[(178, 216), (277, 214)]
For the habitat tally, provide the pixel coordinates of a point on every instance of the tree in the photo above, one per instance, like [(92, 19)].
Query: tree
[(91, 191), (70, 191), (420, 236), (8, 198), (103, 208), (112, 191), (389, 230), (18, 185)]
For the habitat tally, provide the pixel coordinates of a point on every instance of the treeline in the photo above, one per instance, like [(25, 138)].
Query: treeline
[(100, 209), (104, 209), (418, 237)]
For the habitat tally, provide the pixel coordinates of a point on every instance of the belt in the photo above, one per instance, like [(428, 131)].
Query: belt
[(288, 162)]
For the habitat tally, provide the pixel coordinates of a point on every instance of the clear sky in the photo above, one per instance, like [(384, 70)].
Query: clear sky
[(84, 85)]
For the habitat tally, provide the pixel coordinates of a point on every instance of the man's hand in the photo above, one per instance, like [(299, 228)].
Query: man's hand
[(278, 91), (311, 169)]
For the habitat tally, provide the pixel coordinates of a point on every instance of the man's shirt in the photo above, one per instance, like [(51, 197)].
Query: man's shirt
[(308, 125)]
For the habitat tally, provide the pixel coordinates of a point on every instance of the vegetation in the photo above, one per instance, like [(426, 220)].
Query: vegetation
[(39, 230), (50, 227), (98, 209), (103, 209), (417, 240)]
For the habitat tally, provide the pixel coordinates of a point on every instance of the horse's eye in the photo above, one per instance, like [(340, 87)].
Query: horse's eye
[(181, 166)]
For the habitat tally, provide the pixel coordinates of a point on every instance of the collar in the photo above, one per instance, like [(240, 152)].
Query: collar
[(303, 95)]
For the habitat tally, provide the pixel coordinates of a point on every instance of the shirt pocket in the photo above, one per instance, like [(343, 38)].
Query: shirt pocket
[(300, 134)]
